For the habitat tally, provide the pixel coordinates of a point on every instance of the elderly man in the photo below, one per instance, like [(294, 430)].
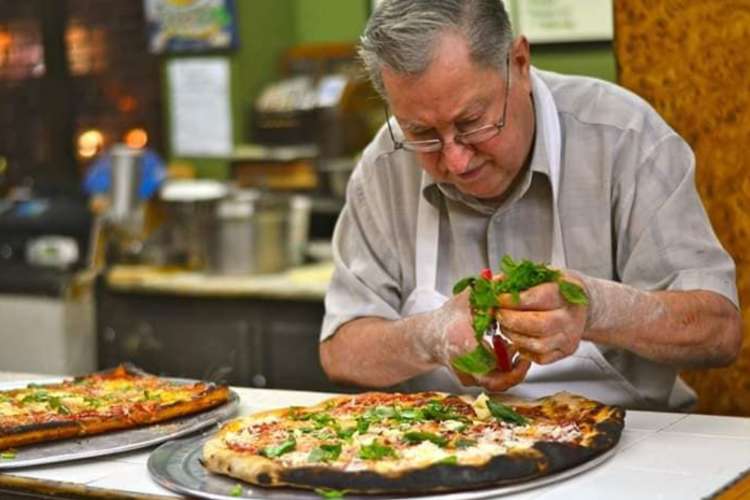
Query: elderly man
[(485, 156)]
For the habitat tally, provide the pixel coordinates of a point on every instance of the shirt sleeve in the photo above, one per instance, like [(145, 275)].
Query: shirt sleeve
[(665, 238), (366, 279)]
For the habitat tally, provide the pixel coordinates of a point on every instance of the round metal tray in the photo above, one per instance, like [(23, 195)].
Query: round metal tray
[(176, 466)]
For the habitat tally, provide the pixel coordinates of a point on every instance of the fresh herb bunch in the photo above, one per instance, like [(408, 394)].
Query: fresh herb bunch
[(518, 276)]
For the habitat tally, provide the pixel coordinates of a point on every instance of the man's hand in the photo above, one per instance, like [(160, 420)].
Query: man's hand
[(449, 334), (543, 326)]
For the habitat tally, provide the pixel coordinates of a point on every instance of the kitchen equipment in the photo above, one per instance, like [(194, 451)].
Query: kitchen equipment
[(126, 179), (190, 215), (299, 228), (52, 251), (251, 234)]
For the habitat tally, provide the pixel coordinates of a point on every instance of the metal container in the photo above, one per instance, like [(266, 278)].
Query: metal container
[(251, 234), (191, 216), (126, 177)]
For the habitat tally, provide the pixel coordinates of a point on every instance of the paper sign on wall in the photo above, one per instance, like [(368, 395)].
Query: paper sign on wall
[(201, 121), (544, 21)]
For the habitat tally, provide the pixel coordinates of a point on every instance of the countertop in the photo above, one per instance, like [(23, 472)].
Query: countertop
[(307, 282), (660, 455)]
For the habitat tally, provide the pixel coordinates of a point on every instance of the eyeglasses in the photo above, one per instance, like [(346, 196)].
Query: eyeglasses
[(481, 134)]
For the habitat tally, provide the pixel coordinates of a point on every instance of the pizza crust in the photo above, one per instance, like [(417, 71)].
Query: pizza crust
[(601, 426), (21, 428)]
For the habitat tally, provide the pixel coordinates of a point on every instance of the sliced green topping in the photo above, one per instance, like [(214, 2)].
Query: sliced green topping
[(53, 402), (277, 451), (346, 433), (319, 419), (8, 455), (418, 437), (362, 425), (236, 490), (375, 451), (93, 402), (502, 412), (435, 410), (325, 453), (410, 414), (149, 396), (449, 460), (330, 493)]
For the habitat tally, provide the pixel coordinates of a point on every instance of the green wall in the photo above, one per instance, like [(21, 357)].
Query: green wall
[(330, 20), (268, 27), (591, 59)]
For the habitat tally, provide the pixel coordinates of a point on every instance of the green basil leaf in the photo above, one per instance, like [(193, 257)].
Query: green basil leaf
[(462, 284), (325, 453), (477, 362), (330, 493), (375, 451), (410, 415), (481, 323), (507, 265), (416, 437), (506, 413), (572, 293), (362, 425), (483, 294), (277, 451), (346, 433), (435, 410)]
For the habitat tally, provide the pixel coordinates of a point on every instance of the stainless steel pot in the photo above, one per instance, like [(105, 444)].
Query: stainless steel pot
[(191, 211), (250, 234)]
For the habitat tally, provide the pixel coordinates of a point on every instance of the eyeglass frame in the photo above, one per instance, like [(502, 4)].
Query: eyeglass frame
[(457, 138)]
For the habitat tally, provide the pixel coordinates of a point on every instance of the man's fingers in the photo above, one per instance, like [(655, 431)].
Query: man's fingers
[(543, 359), (497, 381), (465, 378), (544, 350), (538, 298), (533, 323)]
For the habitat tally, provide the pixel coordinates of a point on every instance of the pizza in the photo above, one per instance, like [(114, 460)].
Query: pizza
[(121, 398), (380, 442)]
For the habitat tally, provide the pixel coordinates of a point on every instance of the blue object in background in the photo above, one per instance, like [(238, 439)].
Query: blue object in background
[(153, 172)]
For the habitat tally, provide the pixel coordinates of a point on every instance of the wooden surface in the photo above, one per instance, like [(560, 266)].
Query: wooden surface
[(690, 59)]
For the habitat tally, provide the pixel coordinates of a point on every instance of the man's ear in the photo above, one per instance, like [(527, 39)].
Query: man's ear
[(520, 61)]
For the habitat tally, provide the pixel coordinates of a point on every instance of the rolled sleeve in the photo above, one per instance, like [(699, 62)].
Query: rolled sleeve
[(672, 244), (366, 280)]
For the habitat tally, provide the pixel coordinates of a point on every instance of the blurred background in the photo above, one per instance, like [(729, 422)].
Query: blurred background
[(171, 170)]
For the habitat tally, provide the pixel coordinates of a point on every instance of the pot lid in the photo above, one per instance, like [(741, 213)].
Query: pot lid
[(193, 190)]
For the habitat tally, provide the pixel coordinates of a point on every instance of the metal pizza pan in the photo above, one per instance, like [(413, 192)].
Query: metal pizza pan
[(176, 466), (117, 441)]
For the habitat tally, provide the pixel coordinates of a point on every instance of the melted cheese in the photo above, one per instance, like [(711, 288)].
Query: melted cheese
[(480, 407)]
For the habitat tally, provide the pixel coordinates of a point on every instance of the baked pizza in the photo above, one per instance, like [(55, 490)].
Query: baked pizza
[(407, 443), (120, 398)]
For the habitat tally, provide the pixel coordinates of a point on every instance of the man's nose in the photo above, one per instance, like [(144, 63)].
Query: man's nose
[(456, 156)]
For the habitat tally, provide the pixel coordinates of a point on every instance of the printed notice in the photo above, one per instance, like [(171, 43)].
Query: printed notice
[(565, 20), (201, 121)]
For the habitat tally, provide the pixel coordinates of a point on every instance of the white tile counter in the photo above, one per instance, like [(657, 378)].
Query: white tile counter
[(661, 455)]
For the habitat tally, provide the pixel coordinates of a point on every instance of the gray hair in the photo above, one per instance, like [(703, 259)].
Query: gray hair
[(402, 34)]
